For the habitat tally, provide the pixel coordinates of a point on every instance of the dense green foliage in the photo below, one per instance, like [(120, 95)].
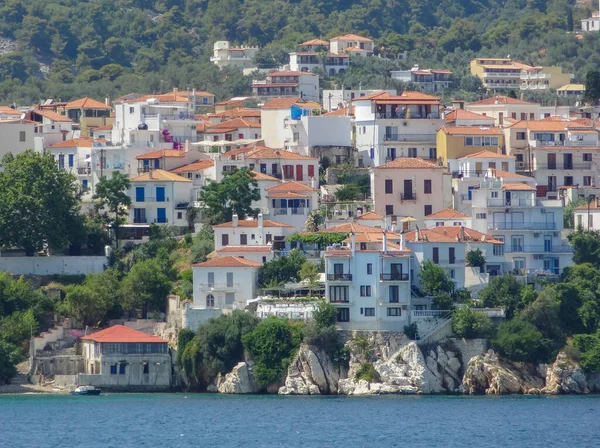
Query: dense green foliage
[(519, 340), (349, 192), (434, 279), (272, 344), (113, 201), (367, 372), (10, 356), (469, 323), (203, 244), (281, 270), (588, 346), (506, 291), (586, 244), (321, 240), (184, 337), (475, 258)]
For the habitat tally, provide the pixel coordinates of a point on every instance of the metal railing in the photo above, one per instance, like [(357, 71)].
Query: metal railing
[(394, 276), (409, 138), (401, 116), (538, 249), (522, 226), (408, 196), (339, 277), (516, 202), (564, 166), (152, 199), (218, 285), (429, 313)]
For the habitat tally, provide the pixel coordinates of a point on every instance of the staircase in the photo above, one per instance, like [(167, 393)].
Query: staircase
[(432, 325)]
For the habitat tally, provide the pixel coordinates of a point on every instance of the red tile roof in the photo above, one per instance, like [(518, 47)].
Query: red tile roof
[(159, 175), (408, 163), (407, 97), (352, 37), (448, 213), (461, 114), (10, 111), (238, 112), (122, 334), (284, 103), (507, 174), (510, 186), (103, 128), (74, 143), (262, 176), (471, 130), (314, 42), (370, 216), (51, 115), (245, 249), (350, 227), (342, 111), (470, 235), (486, 154), (262, 152), (164, 98), (252, 223), (160, 153), (230, 125), (291, 185), (228, 262), (87, 103), (198, 165), (500, 99)]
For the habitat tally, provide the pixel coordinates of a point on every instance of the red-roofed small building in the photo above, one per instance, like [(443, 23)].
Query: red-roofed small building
[(252, 232), (429, 80), (119, 358), (291, 203), (447, 218), (89, 113)]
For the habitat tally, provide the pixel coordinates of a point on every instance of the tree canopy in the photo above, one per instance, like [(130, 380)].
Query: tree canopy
[(113, 201)]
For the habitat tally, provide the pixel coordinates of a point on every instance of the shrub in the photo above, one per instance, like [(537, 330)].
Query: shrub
[(519, 340), (411, 331), (367, 372), (10, 356), (468, 323), (183, 339), (588, 348), (475, 258)]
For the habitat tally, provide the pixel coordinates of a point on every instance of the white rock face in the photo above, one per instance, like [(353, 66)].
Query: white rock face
[(311, 373), (239, 381), (565, 377)]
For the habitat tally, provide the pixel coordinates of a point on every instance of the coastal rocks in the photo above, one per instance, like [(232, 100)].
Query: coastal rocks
[(239, 381), (311, 373), (566, 377), (486, 374)]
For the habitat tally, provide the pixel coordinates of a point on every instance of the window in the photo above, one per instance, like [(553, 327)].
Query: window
[(365, 291), (514, 115), (504, 166), (113, 369), (210, 301), (146, 368), (224, 239), (296, 136), (498, 250), (338, 294), (268, 238), (21, 136), (389, 186), (179, 215), (568, 181), (480, 215), (452, 273), (394, 292), (532, 116), (229, 279), (427, 186), (70, 158), (229, 298), (587, 181), (311, 171), (243, 239), (412, 152), (428, 210), (389, 210), (492, 165), (369, 268), (436, 255), (394, 312), (131, 109), (369, 312), (122, 367), (523, 116), (587, 157), (451, 255), (343, 315)]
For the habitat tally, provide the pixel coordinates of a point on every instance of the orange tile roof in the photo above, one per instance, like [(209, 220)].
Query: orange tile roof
[(517, 187), (122, 334), (486, 154), (428, 235), (461, 114), (51, 115), (342, 111), (159, 175), (74, 143), (172, 97), (448, 213), (10, 111), (471, 130), (314, 42), (373, 237), (245, 249), (252, 223), (229, 125), (238, 112), (370, 216), (288, 73), (507, 174), (198, 165), (291, 185), (593, 206), (286, 194), (408, 163), (499, 99), (352, 37), (87, 103), (262, 176), (262, 152), (228, 262), (160, 153), (350, 227), (381, 94), (232, 101), (103, 128), (355, 50), (470, 235), (284, 103)]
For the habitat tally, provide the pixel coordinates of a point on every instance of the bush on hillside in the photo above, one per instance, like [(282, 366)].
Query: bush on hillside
[(520, 341), (470, 324)]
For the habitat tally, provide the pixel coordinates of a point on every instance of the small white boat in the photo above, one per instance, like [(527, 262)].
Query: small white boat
[(86, 390)]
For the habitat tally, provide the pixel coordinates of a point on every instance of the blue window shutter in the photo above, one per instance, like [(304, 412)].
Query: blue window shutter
[(139, 194), (372, 153), (70, 160)]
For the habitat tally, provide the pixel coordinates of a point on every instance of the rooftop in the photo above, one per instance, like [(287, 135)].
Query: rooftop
[(160, 153), (471, 130), (510, 186), (352, 37), (461, 114), (408, 163), (198, 165), (245, 249), (291, 186), (228, 261), (314, 42), (486, 154), (231, 125), (74, 143), (87, 103), (252, 223), (285, 103), (370, 216), (262, 152), (159, 175), (500, 99), (350, 227), (448, 213), (122, 334)]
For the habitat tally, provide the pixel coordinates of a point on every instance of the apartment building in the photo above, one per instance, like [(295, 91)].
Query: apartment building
[(498, 73), (410, 187), (543, 78), (291, 202), (252, 232), (429, 80), (232, 133), (454, 142), (576, 91), (308, 61), (340, 99), (529, 227), (370, 287), (88, 113), (287, 84), (500, 107), (351, 43), (390, 127), (50, 127), (75, 156), (227, 55)]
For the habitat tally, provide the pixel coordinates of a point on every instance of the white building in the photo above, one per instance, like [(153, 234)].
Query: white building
[(226, 55), (447, 218), (258, 254), (200, 173), (338, 98), (587, 216), (255, 232), (530, 227), (291, 202), (288, 83), (428, 80), (390, 127), (16, 136), (159, 197), (591, 23), (75, 156), (370, 288), (51, 127), (503, 107)]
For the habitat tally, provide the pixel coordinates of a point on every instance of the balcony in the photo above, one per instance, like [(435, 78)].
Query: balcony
[(515, 202), (537, 249), (501, 75), (219, 286), (567, 143), (183, 115), (140, 221), (401, 116), (339, 277), (152, 199), (469, 173), (564, 166), (84, 170), (409, 138), (408, 196), (290, 211), (393, 277), (522, 226)]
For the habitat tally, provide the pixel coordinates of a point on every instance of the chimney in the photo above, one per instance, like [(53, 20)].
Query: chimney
[(260, 220), (402, 240), (313, 182), (418, 234), (150, 173), (187, 145), (234, 220), (353, 243), (175, 90), (384, 242), (107, 101), (462, 233)]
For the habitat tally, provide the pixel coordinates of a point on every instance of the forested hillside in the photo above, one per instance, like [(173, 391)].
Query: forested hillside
[(70, 48)]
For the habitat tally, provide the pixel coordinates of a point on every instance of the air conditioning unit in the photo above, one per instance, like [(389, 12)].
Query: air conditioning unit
[(520, 164), (536, 235)]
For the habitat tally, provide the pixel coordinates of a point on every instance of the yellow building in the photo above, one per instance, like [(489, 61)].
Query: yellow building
[(571, 91), (460, 141)]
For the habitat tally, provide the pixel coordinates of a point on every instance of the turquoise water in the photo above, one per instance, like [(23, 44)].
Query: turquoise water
[(178, 420)]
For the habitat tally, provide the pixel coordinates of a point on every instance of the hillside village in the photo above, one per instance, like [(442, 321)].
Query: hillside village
[(378, 190)]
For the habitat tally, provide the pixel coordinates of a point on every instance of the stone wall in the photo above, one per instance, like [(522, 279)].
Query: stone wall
[(53, 265), (333, 173)]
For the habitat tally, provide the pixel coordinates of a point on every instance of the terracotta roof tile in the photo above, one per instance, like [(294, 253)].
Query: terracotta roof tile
[(342, 111), (173, 97), (245, 249), (228, 125), (352, 37), (198, 165), (499, 99), (159, 175), (284, 103), (103, 128), (370, 216), (10, 111), (228, 261), (262, 152), (486, 154), (448, 213), (291, 185), (74, 143), (51, 115), (238, 112), (122, 334), (160, 153), (286, 194), (314, 42), (252, 223), (87, 103), (262, 176), (507, 174), (408, 163), (471, 130), (465, 234), (510, 186), (461, 114), (350, 227)]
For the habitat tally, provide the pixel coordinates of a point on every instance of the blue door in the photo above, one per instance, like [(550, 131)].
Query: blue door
[(84, 184), (160, 194), (70, 160), (161, 214), (156, 163), (139, 194)]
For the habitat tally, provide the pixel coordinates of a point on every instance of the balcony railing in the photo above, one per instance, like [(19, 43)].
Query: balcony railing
[(84, 170), (152, 199), (402, 116), (511, 203), (339, 277), (567, 143), (522, 226), (537, 249), (219, 285), (140, 221), (564, 166), (408, 196), (393, 277), (468, 173), (290, 211), (409, 138)]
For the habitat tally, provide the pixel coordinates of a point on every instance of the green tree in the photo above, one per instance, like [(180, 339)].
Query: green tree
[(309, 274), (520, 341), (10, 356), (282, 269), (39, 203), (348, 192), (475, 258), (233, 195), (113, 201), (434, 279), (184, 337), (592, 87), (586, 246), (568, 215), (505, 291), (145, 287), (203, 244), (469, 323)]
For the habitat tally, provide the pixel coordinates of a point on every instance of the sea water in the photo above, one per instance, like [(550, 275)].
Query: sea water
[(203, 420)]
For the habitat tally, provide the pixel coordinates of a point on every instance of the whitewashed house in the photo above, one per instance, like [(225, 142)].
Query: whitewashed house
[(251, 232), (291, 203)]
